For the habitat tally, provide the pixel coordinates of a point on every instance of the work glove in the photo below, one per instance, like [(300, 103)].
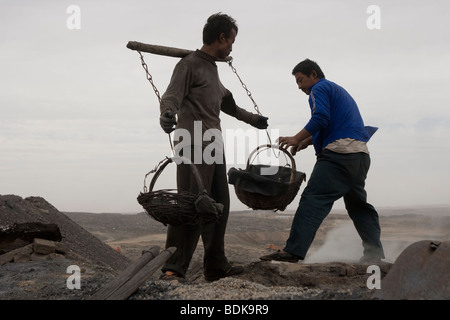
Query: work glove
[(167, 121), (262, 122), (209, 210)]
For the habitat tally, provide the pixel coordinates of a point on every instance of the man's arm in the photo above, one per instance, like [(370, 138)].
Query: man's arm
[(320, 109), (229, 107), (178, 88), (176, 91)]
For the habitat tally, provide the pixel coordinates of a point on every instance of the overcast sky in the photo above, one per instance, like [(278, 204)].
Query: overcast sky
[(79, 121)]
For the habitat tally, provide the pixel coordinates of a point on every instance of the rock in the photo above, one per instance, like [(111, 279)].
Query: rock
[(350, 271), (18, 234), (61, 247), (78, 241), (39, 256), (43, 246), (419, 273), (9, 256), (40, 249), (19, 258)]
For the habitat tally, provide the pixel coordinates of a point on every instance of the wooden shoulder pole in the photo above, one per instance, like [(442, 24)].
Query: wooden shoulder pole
[(163, 50)]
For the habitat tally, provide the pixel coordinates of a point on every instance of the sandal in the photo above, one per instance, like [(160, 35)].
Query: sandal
[(172, 275)]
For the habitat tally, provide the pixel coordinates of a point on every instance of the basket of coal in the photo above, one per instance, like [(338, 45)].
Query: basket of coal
[(178, 207), (265, 187)]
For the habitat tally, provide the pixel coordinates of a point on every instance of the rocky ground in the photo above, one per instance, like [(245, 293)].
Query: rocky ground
[(96, 239)]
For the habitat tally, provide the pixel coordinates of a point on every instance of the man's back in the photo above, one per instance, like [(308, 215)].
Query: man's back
[(335, 115)]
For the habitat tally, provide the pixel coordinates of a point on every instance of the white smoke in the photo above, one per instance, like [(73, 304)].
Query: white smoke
[(341, 244)]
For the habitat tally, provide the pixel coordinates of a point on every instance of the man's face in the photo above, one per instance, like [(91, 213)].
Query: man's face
[(305, 82), (226, 44)]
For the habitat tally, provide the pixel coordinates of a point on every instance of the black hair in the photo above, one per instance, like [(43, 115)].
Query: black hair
[(216, 25), (306, 67)]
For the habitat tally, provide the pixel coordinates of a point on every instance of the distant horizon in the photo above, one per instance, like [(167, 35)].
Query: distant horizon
[(336, 210), (380, 210)]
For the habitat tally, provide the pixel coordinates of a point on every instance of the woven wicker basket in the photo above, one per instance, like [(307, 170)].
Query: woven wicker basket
[(171, 206), (266, 192)]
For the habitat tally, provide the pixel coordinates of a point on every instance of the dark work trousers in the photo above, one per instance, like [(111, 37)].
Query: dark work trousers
[(185, 238), (336, 175)]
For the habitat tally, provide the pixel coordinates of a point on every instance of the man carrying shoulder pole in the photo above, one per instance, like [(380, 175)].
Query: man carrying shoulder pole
[(195, 95)]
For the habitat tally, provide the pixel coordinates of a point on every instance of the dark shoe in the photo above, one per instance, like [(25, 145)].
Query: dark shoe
[(230, 272), (281, 256), (172, 275)]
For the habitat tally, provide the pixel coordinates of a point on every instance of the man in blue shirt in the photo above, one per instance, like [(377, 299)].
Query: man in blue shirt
[(337, 131)]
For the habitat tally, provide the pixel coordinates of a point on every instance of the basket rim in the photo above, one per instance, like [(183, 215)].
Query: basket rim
[(275, 146), (177, 160)]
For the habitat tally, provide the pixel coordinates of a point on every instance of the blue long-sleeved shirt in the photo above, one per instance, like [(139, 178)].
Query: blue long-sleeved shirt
[(334, 115)]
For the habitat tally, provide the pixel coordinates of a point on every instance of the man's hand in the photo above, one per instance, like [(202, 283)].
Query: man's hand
[(298, 142), (167, 121), (286, 142), (262, 122), (302, 145)]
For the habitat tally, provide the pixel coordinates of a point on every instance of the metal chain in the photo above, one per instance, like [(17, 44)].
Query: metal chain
[(150, 79), (230, 63), (249, 94), (149, 76)]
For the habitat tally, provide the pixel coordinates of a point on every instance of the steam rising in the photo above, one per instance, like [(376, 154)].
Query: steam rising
[(343, 244)]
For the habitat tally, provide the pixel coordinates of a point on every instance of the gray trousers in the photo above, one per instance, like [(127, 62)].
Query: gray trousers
[(185, 238), (335, 176)]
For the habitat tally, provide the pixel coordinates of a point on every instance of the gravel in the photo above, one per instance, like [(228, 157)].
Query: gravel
[(223, 289)]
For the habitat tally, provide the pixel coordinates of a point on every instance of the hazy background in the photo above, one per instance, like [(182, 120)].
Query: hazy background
[(79, 121)]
